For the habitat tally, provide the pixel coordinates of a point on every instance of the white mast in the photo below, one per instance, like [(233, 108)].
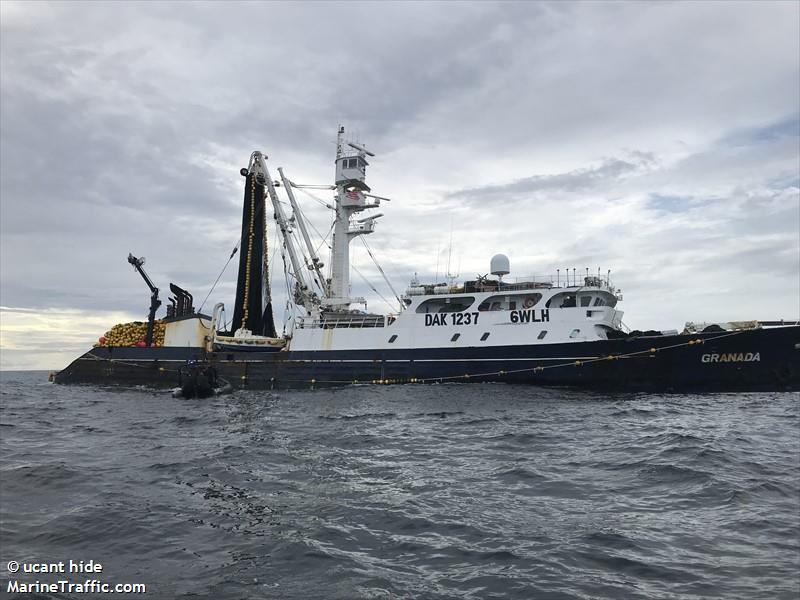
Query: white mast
[(351, 192)]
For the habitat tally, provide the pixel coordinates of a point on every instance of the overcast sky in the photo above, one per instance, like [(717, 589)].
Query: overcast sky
[(659, 140)]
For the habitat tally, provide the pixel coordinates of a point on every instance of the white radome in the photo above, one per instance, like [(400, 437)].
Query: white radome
[(499, 265)]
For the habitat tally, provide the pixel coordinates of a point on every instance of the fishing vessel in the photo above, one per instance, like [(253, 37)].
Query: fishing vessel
[(563, 329)]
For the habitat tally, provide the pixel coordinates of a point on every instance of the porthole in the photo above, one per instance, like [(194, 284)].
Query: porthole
[(541, 334), (455, 337), (392, 339), (485, 336)]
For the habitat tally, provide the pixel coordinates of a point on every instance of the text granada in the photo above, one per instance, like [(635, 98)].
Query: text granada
[(732, 357)]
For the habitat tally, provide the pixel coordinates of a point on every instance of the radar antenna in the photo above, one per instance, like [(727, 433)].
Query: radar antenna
[(360, 148)]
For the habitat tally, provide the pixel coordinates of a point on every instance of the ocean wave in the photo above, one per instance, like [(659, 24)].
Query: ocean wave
[(435, 492)]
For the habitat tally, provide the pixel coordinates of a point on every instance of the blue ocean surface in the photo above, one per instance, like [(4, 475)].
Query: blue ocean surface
[(409, 491)]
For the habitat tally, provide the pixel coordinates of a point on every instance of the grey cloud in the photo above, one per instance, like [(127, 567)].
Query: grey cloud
[(778, 257), (666, 203), (108, 112), (578, 180), (788, 126)]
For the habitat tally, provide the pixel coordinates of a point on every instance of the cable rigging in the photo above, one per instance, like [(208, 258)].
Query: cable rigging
[(233, 253), (385, 278)]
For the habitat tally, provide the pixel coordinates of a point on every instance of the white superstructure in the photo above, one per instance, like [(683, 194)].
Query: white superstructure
[(482, 313), (489, 314)]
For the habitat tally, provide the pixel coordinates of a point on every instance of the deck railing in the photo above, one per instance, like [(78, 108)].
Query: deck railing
[(354, 321), (559, 280)]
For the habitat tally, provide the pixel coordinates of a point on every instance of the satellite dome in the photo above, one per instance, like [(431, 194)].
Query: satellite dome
[(499, 265)]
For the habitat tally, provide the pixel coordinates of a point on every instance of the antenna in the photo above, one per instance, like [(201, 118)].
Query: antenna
[(449, 250), (360, 148), (339, 139), (438, 252), (370, 218)]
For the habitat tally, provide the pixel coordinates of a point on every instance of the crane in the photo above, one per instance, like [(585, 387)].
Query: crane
[(154, 301)]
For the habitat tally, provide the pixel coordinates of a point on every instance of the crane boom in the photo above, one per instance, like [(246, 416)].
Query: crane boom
[(315, 265), (259, 164), (154, 301)]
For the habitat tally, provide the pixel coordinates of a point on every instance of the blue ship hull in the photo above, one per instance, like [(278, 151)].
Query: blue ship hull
[(748, 360)]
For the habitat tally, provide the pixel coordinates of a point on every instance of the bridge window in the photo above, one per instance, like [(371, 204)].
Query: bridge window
[(599, 301), (446, 304), (562, 301), (586, 300), (541, 335), (504, 303), (493, 303)]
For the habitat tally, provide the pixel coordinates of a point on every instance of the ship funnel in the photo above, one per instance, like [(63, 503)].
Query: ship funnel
[(499, 265)]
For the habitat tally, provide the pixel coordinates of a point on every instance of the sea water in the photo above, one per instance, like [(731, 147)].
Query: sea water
[(409, 491)]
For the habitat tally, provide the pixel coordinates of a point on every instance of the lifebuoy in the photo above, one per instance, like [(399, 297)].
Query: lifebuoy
[(528, 302)]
